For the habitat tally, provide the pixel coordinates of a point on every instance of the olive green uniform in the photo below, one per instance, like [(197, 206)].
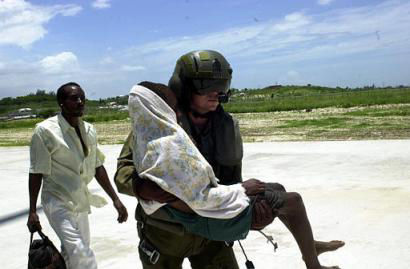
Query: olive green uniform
[(221, 144)]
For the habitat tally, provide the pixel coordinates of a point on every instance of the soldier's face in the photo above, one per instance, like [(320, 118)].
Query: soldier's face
[(205, 103)]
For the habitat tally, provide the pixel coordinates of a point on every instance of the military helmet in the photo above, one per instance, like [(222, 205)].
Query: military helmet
[(200, 72)]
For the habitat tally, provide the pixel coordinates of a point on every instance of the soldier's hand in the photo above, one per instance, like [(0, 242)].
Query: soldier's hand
[(33, 222), (253, 187), (122, 211)]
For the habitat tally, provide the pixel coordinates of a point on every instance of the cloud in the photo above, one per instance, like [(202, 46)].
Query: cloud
[(296, 37), (106, 60), (101, 4), (22, 23), (130, 68), (292, 21), (355, 39), (324, 2), (62, 63), (302, 41)]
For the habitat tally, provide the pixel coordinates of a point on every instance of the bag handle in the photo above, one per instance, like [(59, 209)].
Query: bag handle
[(49, 243), (31, 239), (42, 235)]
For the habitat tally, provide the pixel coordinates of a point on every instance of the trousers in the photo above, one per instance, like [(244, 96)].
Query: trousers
[(201, 253), (73, 230)]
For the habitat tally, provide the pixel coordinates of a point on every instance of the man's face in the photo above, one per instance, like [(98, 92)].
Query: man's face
[(204, 103), (74, 102)]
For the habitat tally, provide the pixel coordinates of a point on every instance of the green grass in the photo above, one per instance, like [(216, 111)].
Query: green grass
[(363, 125), (343, 99), (105, 115), (29, 123), (285, 98), (400, 111), (93, 117), (331, 122), (17, 143)]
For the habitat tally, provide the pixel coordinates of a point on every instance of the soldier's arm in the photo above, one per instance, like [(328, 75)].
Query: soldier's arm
[(148, 190)]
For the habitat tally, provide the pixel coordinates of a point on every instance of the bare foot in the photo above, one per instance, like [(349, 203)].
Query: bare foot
[(324, 267), (328, 246)]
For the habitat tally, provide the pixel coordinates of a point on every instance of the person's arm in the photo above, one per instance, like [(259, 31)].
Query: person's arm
[(102, 179), (33, 222), (148, 190)]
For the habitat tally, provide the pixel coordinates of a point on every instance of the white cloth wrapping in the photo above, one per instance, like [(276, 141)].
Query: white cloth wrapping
[(165, 154)]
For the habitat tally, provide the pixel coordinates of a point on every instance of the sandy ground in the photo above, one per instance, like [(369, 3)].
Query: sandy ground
[(356, 191)]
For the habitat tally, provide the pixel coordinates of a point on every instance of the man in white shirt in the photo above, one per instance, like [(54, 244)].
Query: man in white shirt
[(65, 157)]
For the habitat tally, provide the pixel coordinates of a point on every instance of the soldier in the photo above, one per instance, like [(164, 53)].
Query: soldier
[(201, 80)]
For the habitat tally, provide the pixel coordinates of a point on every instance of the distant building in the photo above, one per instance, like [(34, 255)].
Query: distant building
[(25, 111), (22, 113), (113, 105)]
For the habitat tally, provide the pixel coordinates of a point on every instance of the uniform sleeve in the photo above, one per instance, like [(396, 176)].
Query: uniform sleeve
[(40, 157), (125, 168)]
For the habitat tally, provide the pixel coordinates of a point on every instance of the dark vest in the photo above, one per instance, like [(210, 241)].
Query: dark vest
[(220, 143)]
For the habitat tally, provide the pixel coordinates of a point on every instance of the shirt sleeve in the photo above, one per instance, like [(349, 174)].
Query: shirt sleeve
[(100, 157), (40, 157)]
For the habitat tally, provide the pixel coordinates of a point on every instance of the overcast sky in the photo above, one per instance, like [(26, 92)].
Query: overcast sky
[(107, 46)]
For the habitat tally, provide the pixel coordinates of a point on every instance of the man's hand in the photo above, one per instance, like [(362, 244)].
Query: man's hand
[(33, 222), (122, 211), (262, 215), (253, 187)]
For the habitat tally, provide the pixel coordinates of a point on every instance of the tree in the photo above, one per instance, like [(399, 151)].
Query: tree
[(41, 92)]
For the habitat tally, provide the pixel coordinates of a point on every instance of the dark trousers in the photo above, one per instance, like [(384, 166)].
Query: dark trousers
[(173, 248)]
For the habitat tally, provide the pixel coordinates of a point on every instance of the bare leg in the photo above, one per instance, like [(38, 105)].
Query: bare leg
[(293, 215), (321, 246)]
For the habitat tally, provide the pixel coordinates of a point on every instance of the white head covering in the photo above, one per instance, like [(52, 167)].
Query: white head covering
[(165, 154)]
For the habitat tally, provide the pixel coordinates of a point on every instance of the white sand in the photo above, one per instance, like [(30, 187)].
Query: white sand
[(358, 192)]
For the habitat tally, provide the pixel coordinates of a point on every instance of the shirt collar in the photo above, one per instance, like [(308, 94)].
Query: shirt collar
[(65, 126)]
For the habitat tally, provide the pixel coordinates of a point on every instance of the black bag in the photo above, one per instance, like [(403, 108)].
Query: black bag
[(43, 254)]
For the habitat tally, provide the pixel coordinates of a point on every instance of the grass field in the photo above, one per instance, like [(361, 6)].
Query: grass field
[(354, 123), (288, 113), (302, 100)]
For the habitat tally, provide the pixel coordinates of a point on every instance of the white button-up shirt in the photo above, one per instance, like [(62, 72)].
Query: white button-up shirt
[(56, 153)]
